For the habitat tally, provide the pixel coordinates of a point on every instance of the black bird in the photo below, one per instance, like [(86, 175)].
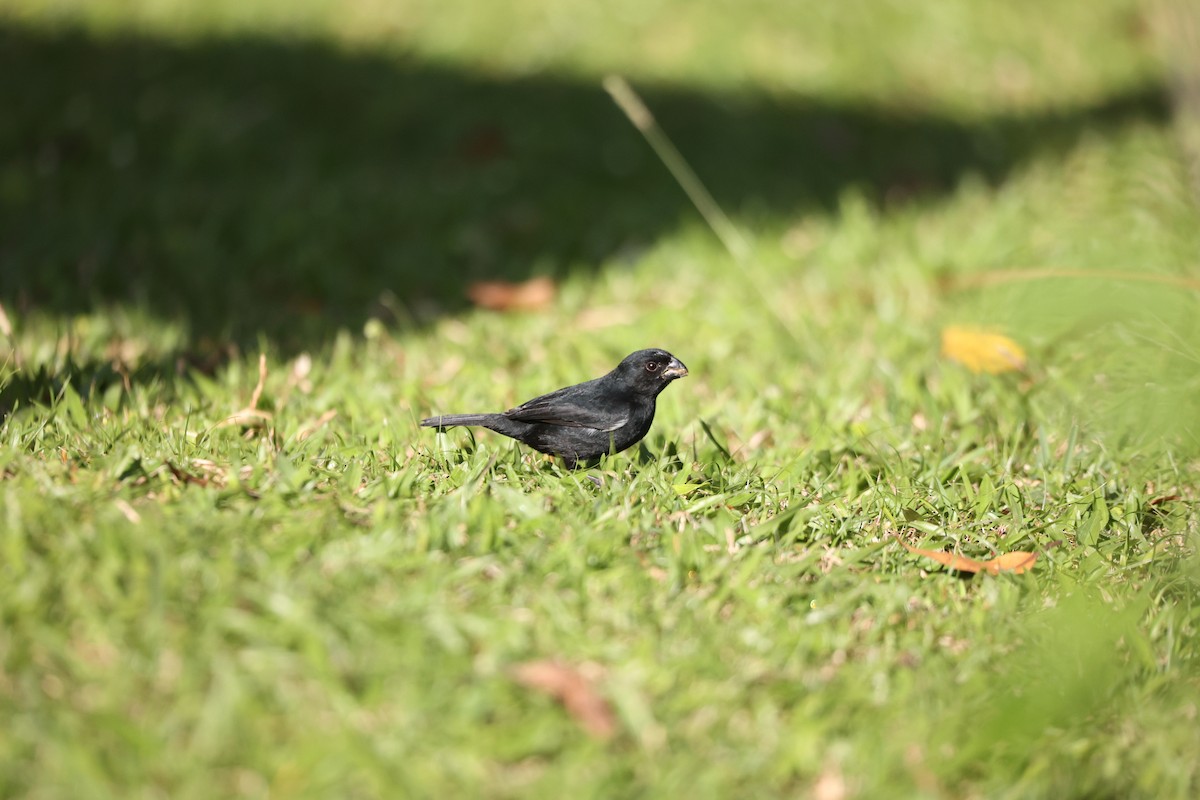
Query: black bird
[(585, 421)]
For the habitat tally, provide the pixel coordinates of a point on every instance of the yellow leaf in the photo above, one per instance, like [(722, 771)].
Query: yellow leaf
[(981, 351)]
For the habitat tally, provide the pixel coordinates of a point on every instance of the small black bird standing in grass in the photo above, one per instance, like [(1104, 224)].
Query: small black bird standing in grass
[(585, 421)]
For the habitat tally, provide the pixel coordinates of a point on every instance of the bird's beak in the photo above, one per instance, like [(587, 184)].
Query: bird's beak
[(675, 369)]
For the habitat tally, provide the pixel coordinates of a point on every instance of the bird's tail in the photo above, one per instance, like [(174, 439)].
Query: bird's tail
[(450, 420)]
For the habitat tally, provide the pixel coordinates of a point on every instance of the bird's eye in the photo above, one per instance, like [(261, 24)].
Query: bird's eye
[(652, 366)]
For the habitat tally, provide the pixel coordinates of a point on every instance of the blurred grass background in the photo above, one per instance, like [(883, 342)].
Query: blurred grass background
[(330, 603)]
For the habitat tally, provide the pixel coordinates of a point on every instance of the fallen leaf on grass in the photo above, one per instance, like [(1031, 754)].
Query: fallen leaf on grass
[(313, 427), (531, 295), (600, 317), (655, 572), (484, 144), (981, 351), (185, 477), (830, 785), (6, 330), (250, 416), (128, 511), (246, 418), (575, 690), (1016, 562)]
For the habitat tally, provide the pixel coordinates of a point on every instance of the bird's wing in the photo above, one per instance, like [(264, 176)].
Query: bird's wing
[(573, 409)]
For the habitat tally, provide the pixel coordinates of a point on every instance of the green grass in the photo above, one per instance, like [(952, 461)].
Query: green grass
[(333, 606)]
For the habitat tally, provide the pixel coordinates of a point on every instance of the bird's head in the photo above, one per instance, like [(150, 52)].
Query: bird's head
[(649, 371)]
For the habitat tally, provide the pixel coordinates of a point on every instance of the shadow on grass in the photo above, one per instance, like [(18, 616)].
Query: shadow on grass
[(286, 189)]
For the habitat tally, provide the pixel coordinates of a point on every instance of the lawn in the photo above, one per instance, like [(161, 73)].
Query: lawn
[(236, 246)]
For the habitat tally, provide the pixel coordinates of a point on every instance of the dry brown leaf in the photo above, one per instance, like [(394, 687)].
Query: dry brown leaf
[(981, 351), (246, 418), (128, 511), (185, 477), (575, 690), (313, 427), (531, 295), (250, 416), (484, 144), (600, 317), (830, 785), (6, 330), (262, 380), (1016, 562)]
